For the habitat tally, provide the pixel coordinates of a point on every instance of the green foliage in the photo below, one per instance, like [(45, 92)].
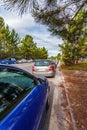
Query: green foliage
[(9, 43), (66, 18), (62, 20), (71, 27), (72, 53), (79, 66), (28, 49), (55, 57), (27, 46), (75, 46), (12, 46), (58, 56), (42, 53)]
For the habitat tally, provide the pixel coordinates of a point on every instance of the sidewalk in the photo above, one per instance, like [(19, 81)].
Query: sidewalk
[(58, 119)]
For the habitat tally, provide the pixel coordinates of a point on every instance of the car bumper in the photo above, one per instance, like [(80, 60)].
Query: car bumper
[(46, 74)]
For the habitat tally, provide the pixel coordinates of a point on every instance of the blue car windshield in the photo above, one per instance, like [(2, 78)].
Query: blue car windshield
[(14, 85)]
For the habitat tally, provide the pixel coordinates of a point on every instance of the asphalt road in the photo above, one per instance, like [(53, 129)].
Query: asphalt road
[(55, 117)]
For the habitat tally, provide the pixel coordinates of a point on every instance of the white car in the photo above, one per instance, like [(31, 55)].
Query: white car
[(44, 67), (22, 61)]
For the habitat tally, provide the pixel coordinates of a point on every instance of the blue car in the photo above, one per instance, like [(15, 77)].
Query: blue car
[(4, 61), (8, 61), (11, 61), (23, 99)]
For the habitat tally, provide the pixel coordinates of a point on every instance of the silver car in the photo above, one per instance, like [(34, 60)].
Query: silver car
[(44, 68)]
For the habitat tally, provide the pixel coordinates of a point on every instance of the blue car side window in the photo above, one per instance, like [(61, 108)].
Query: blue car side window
[(14, 85)]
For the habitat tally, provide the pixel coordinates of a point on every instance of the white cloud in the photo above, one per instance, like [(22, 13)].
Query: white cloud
[(18, 22), (26, 25)]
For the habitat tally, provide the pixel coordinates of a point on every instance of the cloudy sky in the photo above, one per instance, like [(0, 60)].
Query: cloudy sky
[(26, 25)]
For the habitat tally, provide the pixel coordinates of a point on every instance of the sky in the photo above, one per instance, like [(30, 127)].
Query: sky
[(26, 24)]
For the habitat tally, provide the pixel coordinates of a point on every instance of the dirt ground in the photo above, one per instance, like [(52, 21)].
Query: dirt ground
[(76, 82)]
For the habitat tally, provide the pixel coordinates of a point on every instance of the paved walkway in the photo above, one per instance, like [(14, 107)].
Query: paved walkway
[(57, 121)]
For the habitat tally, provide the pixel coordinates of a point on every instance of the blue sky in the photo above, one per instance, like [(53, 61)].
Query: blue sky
[(26, 25)]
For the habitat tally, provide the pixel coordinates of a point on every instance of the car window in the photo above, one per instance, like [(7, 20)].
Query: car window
[(14, 85), (42, 63)]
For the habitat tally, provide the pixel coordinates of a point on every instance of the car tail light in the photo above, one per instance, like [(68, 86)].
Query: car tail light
[(51, 67), (33, 68)]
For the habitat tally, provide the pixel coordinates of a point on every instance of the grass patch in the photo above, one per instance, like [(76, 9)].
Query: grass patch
[(82, 87), (80, 66)]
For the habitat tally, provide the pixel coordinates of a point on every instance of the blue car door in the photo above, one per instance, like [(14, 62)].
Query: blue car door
[(27, 115)]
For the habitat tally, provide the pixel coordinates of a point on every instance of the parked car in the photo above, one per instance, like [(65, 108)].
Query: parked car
[(44, 67), (4, 61), (12, 60), (23, 99), (22, 61), (30, 60), (8, 61)]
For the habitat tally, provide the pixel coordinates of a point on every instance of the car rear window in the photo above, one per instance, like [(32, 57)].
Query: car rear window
[(42, 63), (14, 85)]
